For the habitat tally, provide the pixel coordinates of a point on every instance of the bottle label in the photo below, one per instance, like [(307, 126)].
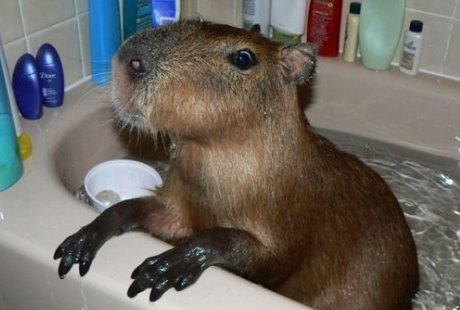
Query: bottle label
[(407, 60), (323, 26), (410, 45), (49, 94), (249, 7)]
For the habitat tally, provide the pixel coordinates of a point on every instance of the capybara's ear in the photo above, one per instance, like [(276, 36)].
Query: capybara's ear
[(299, 62)]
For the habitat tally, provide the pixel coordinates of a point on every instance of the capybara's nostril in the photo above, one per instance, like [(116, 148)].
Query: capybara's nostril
[(137, 66)]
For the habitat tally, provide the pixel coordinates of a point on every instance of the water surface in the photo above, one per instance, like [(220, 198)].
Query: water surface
[(428, 190)]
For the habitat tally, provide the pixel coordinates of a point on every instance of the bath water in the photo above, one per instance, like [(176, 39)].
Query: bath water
[(428, 190)]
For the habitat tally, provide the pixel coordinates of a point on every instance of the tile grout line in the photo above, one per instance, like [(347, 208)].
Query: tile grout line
[(80, 40), (21, 11)]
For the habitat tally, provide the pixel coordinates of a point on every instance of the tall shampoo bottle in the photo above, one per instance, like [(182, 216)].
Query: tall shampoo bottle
[(323, 28), (412, 48)]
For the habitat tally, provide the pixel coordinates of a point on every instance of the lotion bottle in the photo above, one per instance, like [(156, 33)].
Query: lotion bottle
[(51, 75), (26, 86), (412, 48), (351, 34), (323, 27)]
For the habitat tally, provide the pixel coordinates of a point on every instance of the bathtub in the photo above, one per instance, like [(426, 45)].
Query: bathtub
[(40, 210)]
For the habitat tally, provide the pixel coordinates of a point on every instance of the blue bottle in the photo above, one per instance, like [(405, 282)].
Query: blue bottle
[(26, 86), (51, 75), (11, 168), (104, 37)]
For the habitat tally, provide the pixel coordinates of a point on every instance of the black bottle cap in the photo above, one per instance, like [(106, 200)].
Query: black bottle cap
[(355, 8), (416, 26)]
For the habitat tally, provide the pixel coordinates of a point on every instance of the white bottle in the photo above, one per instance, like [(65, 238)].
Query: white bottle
[(257, 12), (287, 18), (350, 47), (412, 48)]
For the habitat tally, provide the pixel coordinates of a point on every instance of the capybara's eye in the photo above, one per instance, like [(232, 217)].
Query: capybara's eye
[(244, 59)]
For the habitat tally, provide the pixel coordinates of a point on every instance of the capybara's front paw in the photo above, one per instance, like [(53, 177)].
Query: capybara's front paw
[(79, 248), (178, 268)]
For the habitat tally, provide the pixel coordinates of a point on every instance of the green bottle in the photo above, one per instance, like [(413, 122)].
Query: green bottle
[(379, 31)]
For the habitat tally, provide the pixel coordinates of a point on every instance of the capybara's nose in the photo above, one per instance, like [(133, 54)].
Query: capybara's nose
[(137, 66)]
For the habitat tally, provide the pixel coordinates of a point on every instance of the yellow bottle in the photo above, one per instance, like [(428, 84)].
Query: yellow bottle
[(351, 34)]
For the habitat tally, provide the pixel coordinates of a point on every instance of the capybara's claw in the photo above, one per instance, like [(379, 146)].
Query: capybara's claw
[(79, 248)]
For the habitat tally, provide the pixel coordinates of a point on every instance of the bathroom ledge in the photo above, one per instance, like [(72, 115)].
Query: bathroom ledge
[(420, 112)]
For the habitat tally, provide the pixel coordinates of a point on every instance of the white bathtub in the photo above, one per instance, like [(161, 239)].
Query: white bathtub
[(39, 211)]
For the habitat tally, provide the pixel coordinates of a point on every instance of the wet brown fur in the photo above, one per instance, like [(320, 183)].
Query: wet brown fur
[(245, 157)]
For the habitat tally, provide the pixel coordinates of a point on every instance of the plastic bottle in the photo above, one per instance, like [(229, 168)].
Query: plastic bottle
[(257, 12), (165, 12), (26, 86), (51, 75), (350, 47), (11, 168), (323, 27), (137, 15), (412, 48), (104, 37), (379, 31), (287, 20), (24, 141)]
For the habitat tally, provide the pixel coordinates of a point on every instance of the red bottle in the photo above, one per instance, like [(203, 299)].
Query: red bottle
[(323, 27)]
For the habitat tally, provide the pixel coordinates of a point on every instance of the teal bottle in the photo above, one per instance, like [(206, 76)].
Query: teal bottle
[(379, 31), (11, 168)]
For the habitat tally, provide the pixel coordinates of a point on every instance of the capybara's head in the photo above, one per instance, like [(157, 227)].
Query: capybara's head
[(198, 79)]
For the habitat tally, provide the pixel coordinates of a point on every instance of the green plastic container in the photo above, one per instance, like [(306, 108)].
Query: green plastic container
[(379, 31)]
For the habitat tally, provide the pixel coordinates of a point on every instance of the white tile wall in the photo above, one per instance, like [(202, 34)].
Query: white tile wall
[(26, 24)]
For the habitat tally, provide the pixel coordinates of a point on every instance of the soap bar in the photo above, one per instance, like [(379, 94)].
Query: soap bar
[(379, 31)]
